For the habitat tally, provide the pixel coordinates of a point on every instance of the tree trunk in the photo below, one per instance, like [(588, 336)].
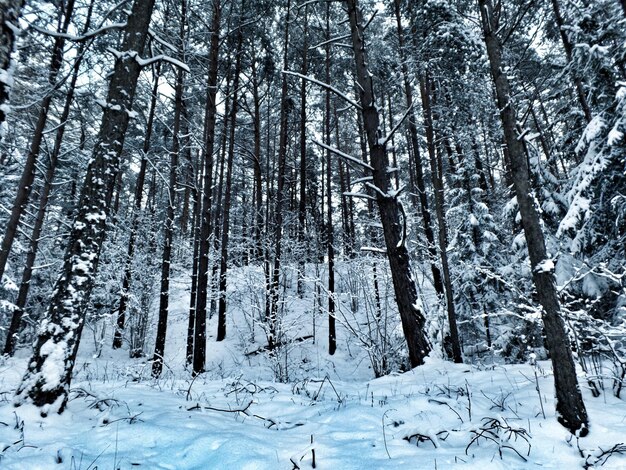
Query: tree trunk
[(303, 148), (219, 192), (389, 206), (436, 167), (191, 324), (164, 293), (22, 296), (59, 335), (570, 408), (280, 190), (199, 344), (28, 174), (417, 160), (258, 182), (330, 240), (221, 317)]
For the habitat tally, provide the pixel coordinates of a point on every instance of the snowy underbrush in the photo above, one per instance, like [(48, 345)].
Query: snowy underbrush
[(298, 406), (439, 415)]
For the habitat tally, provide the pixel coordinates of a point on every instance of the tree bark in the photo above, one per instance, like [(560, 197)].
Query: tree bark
[(59, 334), (570, 407), (389, 206)]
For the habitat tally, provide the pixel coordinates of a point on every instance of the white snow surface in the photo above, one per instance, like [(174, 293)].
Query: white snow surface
[(119, 417)]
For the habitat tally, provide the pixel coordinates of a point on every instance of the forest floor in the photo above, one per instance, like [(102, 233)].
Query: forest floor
[(331, 413)]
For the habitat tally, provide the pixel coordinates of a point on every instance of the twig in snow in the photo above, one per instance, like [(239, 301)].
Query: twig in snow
[(385, 435)]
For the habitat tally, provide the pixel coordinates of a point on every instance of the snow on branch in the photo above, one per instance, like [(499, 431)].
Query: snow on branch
[(324, 85), (361, 195), (83, 37), (164, 58), (343, 155), (544, 266), (374, 249), (384, 141), (363, 180), (378, 190), (155, 37), (330, 41)]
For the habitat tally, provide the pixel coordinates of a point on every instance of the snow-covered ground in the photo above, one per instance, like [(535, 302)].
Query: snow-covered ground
[(438, 416)]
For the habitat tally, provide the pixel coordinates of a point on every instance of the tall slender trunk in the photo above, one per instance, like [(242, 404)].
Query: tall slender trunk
[(417, 160), (189, 173), (28, 174), (219, 191), (280, 189), (330, 240), (391, 212), (221, 317), (47, 380), (303, 149), (22, 295), (191, 324), (436, 167), (168, 237), (570, 407), (199, 344), (134, 227), (258, 181)]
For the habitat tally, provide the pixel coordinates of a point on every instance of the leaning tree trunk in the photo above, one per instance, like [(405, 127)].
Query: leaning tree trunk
[(199, 343), (389, 206), (30, 165), (570, 407), (47, 380), (22, 295), (10, 11)]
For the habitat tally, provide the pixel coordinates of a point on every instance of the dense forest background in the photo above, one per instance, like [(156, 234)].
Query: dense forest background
[(436, 176)]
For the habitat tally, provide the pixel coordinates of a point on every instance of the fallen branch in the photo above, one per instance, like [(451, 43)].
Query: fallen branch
[(277, 344)]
